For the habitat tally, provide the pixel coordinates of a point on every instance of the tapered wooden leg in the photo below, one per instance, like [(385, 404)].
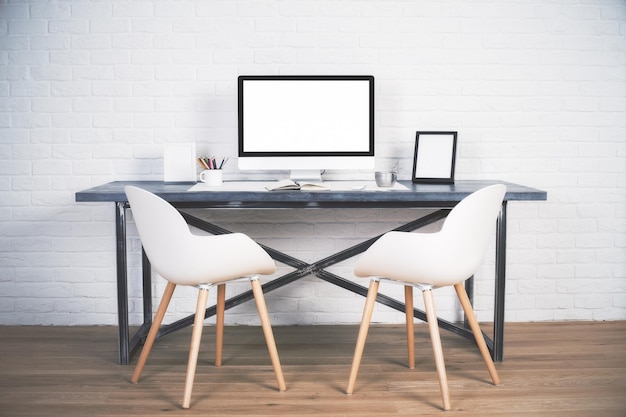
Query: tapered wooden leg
[(410, 330), (478, 335), (363, 329), (267, 330), (431, 315), (196, 335), (154, 329), (219, 323)]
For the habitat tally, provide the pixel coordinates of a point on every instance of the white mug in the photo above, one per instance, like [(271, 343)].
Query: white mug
[(211, 177)]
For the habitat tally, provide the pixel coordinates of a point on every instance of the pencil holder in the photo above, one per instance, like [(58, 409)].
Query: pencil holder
[(211, 177)]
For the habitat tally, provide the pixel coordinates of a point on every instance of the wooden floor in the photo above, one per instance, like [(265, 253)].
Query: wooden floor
[(549, 369)]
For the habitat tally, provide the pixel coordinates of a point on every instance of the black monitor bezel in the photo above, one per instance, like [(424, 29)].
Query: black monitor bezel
[(240, 116)]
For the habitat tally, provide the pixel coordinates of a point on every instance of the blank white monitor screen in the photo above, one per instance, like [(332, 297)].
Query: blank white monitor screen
[(305, 121)]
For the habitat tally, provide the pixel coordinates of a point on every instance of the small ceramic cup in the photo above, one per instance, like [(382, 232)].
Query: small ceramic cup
[(211, 177)]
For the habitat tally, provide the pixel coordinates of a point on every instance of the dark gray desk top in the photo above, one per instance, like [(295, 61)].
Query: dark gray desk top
[(417, 195)]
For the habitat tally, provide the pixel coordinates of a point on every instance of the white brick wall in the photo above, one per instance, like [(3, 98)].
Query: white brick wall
[(90, 91)]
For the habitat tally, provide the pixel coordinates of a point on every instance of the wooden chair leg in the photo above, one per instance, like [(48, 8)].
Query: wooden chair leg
[(267, 330), (198, 323), (478, 335), (154, 329), (431, 315), (219, 324), (410, 329), (363, 329)]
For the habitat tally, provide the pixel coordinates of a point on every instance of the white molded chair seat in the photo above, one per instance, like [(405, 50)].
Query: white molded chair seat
[(183, 258), (430, 260)]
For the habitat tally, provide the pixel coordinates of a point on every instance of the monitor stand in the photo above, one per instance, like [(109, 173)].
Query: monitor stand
[(311, 175)]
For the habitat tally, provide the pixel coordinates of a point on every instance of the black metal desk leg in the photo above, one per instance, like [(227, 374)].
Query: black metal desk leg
[(122, 279), (469, 289), (147, 288), (498, 310)]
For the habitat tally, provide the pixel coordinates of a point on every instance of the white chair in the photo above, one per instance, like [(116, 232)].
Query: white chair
[(431, 260), (183, 258)]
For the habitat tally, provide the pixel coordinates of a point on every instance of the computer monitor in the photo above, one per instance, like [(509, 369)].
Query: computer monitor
[(306, 124)]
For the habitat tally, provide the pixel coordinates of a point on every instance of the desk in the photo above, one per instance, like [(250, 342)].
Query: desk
[(440, 196)]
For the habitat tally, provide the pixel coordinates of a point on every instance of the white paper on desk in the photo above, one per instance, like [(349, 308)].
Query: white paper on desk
[(233, 186), (261, 186), (362, 186)]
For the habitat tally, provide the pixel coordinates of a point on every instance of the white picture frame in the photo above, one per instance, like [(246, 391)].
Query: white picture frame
[(179, 162)]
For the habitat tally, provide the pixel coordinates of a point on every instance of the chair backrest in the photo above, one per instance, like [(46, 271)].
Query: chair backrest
[(469, 227), (442, 258), (188, 259), (163, 231)]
